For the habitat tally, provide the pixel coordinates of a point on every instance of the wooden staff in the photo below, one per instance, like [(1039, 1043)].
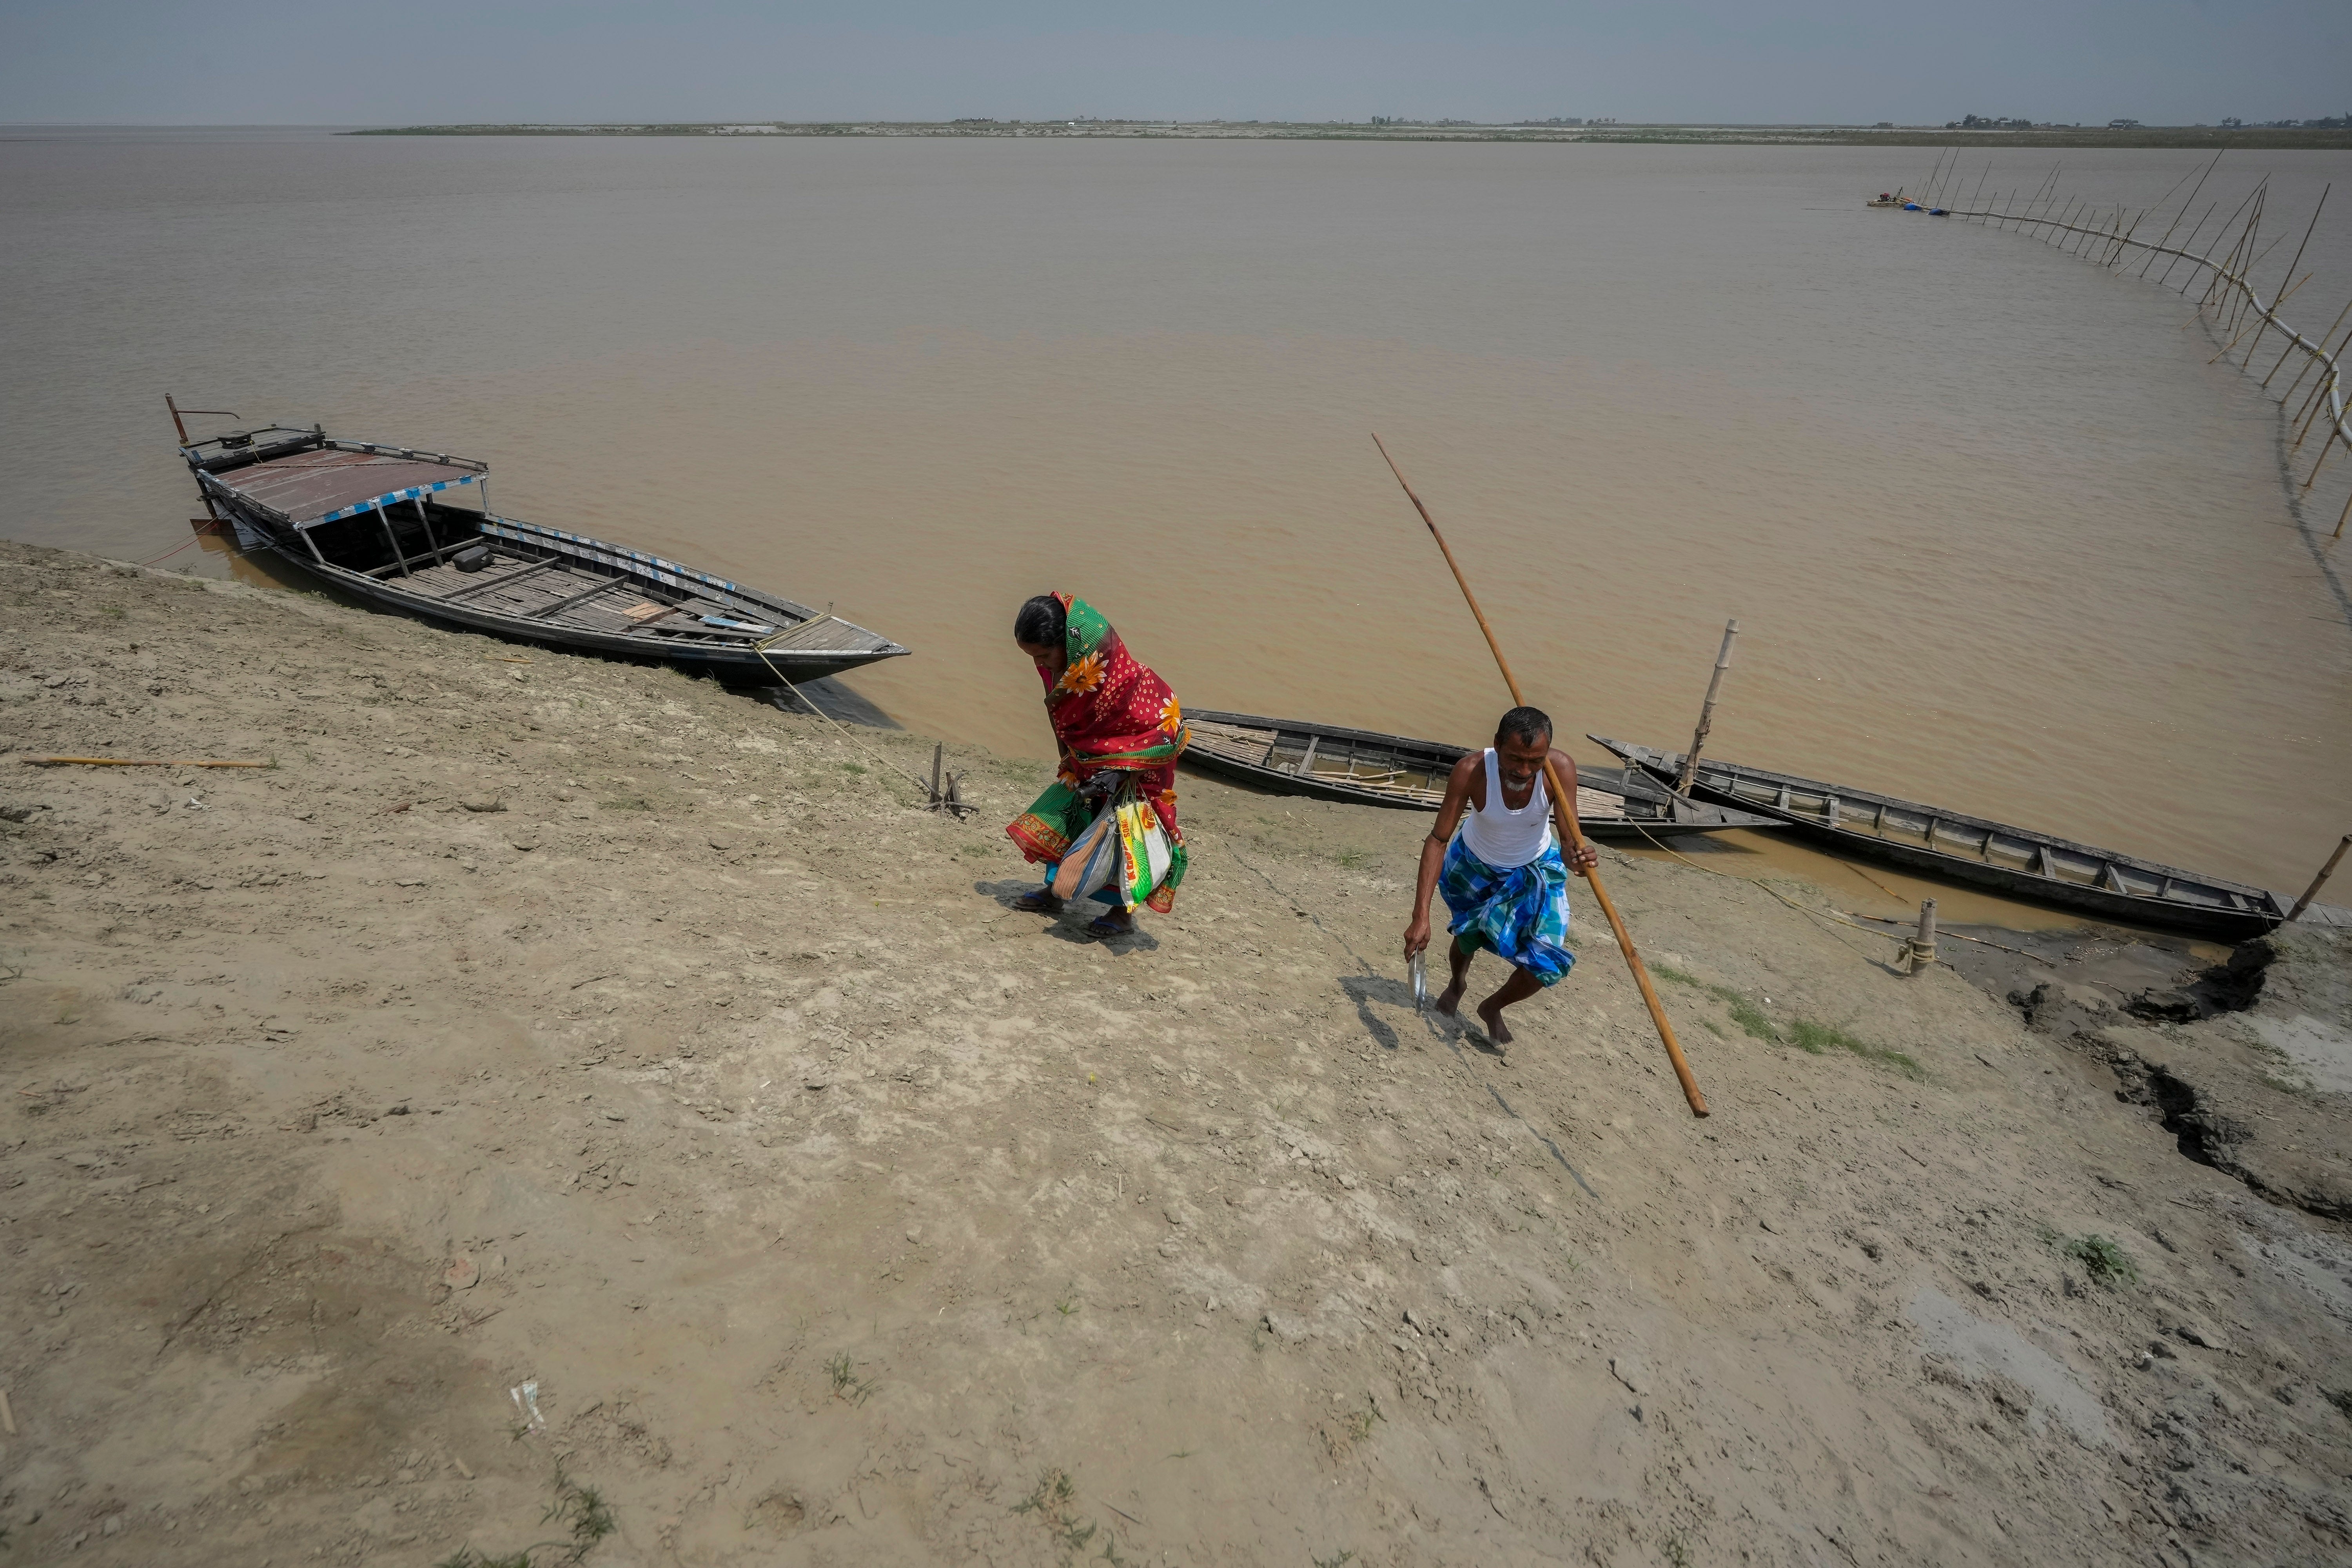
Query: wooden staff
[(1559, 791)]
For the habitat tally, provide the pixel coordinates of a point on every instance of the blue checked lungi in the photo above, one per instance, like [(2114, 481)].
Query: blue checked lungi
[(1520, 914)]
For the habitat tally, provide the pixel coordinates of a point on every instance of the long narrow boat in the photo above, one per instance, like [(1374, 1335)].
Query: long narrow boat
[(380, 523), (2017, 861), (1363, 767)]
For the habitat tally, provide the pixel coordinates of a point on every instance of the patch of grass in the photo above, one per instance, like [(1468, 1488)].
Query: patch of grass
[(627, 803), (853, 767), (1675, 1551), (1746, 1014), (1816, 1038), (581, 1511), (2103, 1259), (846, 1383), (1050, 1501), (1353, 860), (1339, 1561), (978, 849), (112, 612), (1067, 1304), (1807, 1035)]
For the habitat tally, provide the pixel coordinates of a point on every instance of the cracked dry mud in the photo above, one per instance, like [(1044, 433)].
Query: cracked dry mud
[(836, 1212)]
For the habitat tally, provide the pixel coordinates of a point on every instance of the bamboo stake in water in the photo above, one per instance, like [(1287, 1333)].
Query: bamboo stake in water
[(1567, 815), (2165, 277), (2323, 337), (2186, 204)]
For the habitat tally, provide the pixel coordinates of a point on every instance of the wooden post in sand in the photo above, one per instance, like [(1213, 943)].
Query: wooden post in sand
[(2319, 881), (1923, 945), (1707, 710), (1567, 799)]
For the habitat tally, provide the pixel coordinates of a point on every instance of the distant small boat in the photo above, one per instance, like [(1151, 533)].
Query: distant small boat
[(1363, 767), (371, 520), (2017, 861)]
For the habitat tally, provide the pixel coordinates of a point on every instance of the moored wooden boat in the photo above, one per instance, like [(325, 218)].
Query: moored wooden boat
[(382, 523), (1364, 767), (2018, 861)]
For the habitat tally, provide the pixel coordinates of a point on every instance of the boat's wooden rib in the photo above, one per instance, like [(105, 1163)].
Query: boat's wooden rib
[(371, 521), (2018, 861), (1364, 767)]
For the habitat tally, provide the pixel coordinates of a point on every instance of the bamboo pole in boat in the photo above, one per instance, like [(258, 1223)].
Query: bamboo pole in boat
[(1561, 793), (2319, 881), (1707, 710)]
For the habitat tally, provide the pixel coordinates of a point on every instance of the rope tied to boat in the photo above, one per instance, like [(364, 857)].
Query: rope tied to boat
[(762, 649)]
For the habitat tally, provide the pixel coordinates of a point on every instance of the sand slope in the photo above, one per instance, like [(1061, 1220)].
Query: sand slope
[(841, 1214)]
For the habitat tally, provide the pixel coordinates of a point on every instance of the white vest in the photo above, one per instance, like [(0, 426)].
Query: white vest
[(1504, 838)]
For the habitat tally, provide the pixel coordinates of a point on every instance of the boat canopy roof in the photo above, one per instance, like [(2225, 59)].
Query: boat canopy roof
[(342, 479)]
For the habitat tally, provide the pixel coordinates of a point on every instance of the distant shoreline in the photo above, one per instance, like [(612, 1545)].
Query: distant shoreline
[(2189, 136)]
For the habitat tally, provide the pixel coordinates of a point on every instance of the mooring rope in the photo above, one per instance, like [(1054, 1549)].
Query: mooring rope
[(762, 649)]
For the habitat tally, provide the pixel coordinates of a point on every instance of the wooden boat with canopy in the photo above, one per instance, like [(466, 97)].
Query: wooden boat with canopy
[(1363, 767), (384, 524), (2017, 861)]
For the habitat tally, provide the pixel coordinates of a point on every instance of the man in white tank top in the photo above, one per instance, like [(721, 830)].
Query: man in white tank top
[(1504, 877)]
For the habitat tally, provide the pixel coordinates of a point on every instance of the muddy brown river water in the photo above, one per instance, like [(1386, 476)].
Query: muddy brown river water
[(1997, 533)]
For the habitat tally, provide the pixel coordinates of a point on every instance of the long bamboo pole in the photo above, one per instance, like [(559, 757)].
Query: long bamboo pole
[(1707, 710), (2323, 338), (2187, 202), (2165, 277), (1559, 791), (2319, 881)]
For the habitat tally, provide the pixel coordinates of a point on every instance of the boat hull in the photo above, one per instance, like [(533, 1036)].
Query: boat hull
[(738, 662), (1672, 818), (1727, 784)]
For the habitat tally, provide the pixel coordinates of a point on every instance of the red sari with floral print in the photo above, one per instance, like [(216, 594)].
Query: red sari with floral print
[(1111, 715)]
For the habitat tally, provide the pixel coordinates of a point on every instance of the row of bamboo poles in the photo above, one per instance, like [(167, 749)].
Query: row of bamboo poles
[(2241, 317)]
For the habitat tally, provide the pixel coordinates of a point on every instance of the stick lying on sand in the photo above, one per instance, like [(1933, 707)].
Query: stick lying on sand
[(133, 762), (1559, 791)]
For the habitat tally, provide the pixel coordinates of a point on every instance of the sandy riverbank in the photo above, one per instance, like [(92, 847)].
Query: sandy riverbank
[(841, 1214)]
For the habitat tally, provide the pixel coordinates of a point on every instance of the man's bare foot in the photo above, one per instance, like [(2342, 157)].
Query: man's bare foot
[(1496, 1030), (1041, 902), (1449, 999)]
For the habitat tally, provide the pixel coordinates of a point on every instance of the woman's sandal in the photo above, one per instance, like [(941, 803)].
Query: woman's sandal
[(1040, 902), (1105, 927)]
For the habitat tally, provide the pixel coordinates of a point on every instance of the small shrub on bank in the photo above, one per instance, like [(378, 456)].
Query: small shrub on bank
[(2103, 1259)]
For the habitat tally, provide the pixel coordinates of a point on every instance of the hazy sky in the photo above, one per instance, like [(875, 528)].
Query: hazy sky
[(409, 61)]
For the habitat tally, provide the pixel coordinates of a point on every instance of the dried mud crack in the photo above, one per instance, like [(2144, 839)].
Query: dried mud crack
[(705, 1127)]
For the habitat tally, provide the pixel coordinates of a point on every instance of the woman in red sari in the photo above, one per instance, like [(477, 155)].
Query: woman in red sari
[(1107, 826)]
